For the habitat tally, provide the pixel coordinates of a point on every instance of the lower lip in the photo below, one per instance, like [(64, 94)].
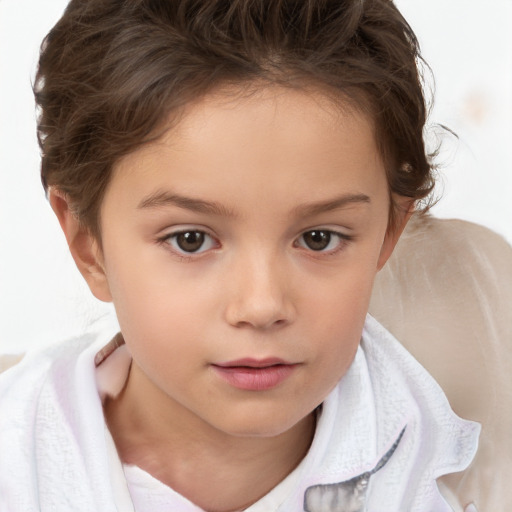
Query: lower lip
[(255, 379)]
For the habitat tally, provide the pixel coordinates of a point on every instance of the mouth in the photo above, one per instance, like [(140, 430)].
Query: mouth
[(255, 374)]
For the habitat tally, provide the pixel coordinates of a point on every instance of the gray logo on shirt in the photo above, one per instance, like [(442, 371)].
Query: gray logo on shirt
[(349, 496)]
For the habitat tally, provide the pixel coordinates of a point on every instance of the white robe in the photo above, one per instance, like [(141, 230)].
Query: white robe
[(384, 435)]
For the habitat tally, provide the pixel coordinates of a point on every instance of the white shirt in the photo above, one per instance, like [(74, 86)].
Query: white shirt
[(386, 408), (55, 456)]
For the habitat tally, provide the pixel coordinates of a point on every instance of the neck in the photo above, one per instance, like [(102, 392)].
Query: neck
[(196, 459)]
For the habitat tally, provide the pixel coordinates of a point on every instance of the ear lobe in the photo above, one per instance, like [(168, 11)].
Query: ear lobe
[(404, 209), (83, 246)]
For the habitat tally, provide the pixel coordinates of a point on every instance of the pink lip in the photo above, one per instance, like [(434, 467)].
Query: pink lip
[(254, 374)]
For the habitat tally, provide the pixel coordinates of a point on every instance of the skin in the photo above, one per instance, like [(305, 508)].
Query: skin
[(276, 165)]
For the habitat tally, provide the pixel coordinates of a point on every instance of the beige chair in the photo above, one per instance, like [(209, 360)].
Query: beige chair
[(446, 294), (6, 361)]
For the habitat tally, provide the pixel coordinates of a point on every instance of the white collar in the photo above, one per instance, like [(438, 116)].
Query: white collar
[(384, 394)]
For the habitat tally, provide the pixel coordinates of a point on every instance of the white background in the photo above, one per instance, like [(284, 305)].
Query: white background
[(468, 44)]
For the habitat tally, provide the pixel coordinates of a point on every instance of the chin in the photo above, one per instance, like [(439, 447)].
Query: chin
[(261, 425)]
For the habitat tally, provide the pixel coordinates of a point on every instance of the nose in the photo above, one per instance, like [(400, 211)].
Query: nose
[(259, 294)]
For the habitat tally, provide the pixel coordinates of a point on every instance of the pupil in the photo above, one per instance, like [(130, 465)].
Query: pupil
[(190, 241), (317, 240)]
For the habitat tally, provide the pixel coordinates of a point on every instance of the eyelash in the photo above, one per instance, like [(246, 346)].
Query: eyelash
[(343, 240)]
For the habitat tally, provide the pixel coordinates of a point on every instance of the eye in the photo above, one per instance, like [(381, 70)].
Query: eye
[(190, 241), (321, 240)]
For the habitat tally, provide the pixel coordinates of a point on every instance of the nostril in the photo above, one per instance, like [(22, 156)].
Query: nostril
[(261, 324), (260, 303), (257, 318)]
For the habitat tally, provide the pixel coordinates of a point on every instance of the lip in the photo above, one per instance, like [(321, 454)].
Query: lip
[(254, 374)]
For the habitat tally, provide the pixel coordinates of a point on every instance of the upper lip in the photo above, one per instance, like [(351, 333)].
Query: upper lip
[(250, 362)]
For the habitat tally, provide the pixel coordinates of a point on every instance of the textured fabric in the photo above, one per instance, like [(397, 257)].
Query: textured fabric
[(56, 457), (52, 443), (446, 294)]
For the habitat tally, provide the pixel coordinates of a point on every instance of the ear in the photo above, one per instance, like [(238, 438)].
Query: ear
[(83, 246), (404, 208)]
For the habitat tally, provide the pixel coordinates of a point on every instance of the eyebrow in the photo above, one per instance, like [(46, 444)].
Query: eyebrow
[(312, 209), (162, 199)]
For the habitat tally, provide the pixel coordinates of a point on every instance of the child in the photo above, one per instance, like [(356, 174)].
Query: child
[(231, 175)]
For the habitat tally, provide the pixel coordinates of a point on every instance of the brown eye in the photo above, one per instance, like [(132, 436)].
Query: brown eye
[(191, 241), (317, 240), (323, 240)]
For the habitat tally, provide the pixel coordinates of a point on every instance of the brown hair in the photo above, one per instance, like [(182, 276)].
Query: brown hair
[(112, 71)]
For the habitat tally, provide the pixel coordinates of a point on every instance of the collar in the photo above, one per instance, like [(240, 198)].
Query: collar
[(386, 421)]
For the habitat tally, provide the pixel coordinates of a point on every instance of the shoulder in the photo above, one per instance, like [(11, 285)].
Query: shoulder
[(51, 418), (25, 377)]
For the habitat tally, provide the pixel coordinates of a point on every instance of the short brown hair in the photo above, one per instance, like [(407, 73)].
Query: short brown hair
[(111, 71)]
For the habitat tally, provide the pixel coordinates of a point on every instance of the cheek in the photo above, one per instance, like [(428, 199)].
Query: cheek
[(161, 329), (337, 315), (149, 304), (156, 312), (343, 296)]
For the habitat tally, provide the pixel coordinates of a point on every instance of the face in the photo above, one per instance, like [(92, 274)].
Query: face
[(240, 250)]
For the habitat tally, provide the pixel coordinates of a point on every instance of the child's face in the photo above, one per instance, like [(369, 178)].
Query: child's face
[(248, 235)]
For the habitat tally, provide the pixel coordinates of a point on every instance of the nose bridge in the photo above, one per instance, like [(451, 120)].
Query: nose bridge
[(260, 295)]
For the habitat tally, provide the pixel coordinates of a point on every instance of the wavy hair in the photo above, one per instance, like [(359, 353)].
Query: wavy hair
[(111, 72)]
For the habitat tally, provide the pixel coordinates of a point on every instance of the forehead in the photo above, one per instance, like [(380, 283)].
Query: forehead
[(303, 108), (302, 142)]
